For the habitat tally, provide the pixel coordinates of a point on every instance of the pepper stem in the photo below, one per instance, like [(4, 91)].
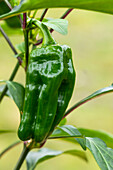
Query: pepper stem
[(47, 38)]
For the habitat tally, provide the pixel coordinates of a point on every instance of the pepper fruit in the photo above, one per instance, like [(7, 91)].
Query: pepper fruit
[(50, 81)]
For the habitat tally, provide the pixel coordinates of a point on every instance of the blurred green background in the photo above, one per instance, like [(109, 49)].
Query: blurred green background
[(90, 35)]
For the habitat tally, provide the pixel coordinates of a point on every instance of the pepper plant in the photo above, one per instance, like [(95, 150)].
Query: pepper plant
[(50, 79)]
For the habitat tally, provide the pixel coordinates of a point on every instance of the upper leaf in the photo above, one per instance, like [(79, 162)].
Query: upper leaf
[(59, 25), (102, 154), (66, 131), (95, 5), (69, 131)]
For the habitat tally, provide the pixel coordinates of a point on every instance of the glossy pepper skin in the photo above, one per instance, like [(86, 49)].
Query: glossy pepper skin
[(49, 86)]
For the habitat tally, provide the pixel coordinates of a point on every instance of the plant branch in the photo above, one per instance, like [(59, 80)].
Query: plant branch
[(22, 157), (10, 44), (66, 13), (60, 137), (10, 79), (26, 38), (90, 97), (9, 147), (43, 14), (8, 40)]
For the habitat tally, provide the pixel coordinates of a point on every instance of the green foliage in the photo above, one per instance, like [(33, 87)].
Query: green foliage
[(102, 154), (12, 22), (59, 25), (95, 5), (66, 131), (105, 136), (17, 92), (34, 158), (7, 93)]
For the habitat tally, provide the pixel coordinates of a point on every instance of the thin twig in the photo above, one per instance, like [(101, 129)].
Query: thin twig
[(17, 65), (8, 40), (9, 147), (43, 14), (26, 38), (85, 100), (63, 16), (24, 20), (60, 137), (10, 79), (34, 13)]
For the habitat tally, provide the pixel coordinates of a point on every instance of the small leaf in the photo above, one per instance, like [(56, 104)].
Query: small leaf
[(17, 92), (34, 158), (105, 136), (21, 47), (59, 25), (65, 131), (62, 122), (102, 154)]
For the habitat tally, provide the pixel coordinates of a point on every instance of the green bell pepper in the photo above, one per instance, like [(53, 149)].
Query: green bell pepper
[(50, 81)]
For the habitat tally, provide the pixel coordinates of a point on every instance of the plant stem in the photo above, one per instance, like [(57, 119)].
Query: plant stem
[(22, 157), (8, 40), (10, 44), (60, 137), (10, 79), (9, 147), (43, 14), (24, 20), (90, 97), (66, 13), (26, 40)]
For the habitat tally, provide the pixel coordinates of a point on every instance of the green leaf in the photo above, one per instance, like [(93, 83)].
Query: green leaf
[(17, 92), (105, 136), (102, 154), (94, 5), (90, 97), (21, 47), (62, 122), (59, 25), (14, 2), (34, 158), (70, 134), (12, 22), (7, 93), (65, 131)]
